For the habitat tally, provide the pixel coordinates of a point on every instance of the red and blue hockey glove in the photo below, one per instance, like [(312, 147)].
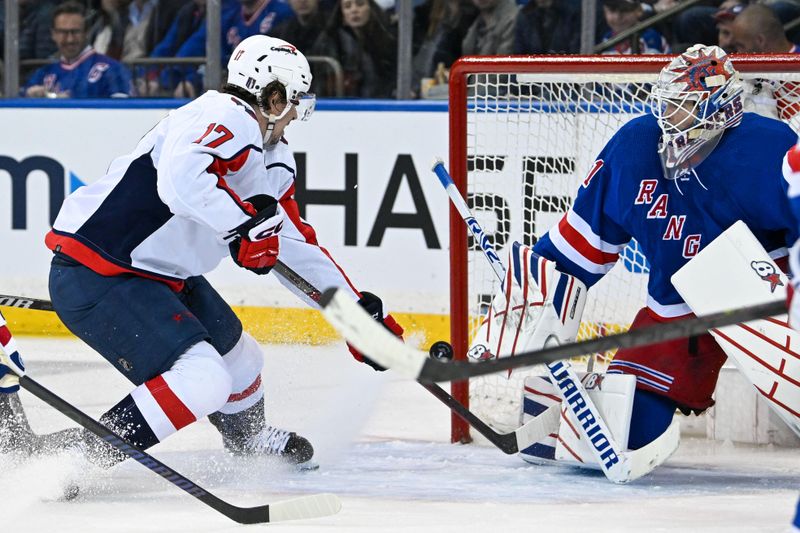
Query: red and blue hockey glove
[(374, 306), (11, 366), (257, 245)]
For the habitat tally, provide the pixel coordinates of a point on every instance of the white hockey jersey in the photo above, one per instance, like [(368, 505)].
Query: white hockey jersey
[(163, 211)]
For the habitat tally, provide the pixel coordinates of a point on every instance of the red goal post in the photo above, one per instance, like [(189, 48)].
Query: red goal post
[(518, 115)]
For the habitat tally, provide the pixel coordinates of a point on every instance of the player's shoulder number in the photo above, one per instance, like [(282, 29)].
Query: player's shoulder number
[(225, 135), (592, 172)]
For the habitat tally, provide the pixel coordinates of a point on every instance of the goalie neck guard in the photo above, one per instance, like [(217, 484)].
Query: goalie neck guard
[(695, 99)]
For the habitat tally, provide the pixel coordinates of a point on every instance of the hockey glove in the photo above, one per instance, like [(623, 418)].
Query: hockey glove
[(11, 366), (374, 306), (256, 243)]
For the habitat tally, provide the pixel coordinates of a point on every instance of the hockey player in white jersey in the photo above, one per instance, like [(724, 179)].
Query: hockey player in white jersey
[(214, 178)]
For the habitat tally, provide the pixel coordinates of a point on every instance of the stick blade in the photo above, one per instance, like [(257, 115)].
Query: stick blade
[(305, 507), (369, 336)]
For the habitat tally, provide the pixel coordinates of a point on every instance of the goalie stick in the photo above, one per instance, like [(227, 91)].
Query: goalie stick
[(509, 443), (615, 463)]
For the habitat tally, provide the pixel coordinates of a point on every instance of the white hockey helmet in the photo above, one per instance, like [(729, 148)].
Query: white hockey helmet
[(696, 97), (260, 60)]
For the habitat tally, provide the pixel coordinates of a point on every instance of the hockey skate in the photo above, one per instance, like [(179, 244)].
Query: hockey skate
[(248, 434)]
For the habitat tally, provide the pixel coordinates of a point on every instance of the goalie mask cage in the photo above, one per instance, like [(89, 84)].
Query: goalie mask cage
[(524, 131)]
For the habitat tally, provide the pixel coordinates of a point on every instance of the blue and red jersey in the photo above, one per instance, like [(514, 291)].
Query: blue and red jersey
[(91, 75), (235, 28), (626, 196)]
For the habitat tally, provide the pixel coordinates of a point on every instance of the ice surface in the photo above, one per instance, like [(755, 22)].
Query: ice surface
[(383, 448)]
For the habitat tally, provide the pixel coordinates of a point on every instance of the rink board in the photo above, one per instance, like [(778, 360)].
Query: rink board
[(386, 223)]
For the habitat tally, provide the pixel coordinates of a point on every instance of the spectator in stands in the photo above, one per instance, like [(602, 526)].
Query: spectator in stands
[(240, 19), (758, 30), (359, 36), (35, 20), (693, 25), (724, 17), (121, 27), (186, 23), (107, 30), (161, 19), (492, 32), (548, 27), (81, 72), (304, 27), (439, 28), (621, 15)]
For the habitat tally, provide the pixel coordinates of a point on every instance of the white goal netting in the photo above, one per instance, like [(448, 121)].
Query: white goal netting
[(531, 139)]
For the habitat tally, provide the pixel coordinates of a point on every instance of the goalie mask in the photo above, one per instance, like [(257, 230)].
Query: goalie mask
[(260, 60), (696, 98)]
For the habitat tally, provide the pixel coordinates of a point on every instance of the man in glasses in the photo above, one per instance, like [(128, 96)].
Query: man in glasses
[(80, 71)]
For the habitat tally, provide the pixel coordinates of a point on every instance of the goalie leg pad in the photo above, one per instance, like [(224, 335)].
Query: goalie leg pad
[(652, 415), (684, 370), (612, 394), (536, 305)]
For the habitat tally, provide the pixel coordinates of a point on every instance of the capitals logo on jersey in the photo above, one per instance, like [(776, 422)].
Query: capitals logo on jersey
[(767, 272)]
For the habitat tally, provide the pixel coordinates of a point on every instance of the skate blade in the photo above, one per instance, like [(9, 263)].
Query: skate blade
[(308, 466)]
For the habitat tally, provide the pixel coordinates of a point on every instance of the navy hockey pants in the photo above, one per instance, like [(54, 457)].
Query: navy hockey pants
[(140, 325)]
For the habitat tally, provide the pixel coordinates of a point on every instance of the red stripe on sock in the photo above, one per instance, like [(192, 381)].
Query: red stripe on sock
[(247, 392), (5, 335), (173, 407)]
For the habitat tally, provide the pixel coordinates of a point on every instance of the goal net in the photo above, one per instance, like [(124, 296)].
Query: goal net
[(524, 132)]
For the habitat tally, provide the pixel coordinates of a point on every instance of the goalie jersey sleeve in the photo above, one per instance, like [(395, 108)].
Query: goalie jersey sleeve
[(625, 196)]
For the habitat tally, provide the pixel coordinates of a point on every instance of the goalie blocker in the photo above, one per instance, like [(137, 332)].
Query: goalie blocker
[(763, 350)]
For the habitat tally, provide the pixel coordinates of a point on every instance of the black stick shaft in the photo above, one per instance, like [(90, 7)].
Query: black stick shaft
[(22, 302), (253, 515), (507, 443), (457, 370)]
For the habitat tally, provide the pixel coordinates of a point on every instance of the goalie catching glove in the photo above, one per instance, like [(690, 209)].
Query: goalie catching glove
[(256, 243), (538, 306), (374, 306), (11, 366)]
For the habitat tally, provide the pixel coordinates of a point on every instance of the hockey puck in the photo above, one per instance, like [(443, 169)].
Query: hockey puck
[(441, 350)]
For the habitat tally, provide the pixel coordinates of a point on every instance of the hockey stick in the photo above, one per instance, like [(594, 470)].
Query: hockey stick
[(22, 302), (592, 426), (510, 443), (312, 506), (303, 507), (415, 364)]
